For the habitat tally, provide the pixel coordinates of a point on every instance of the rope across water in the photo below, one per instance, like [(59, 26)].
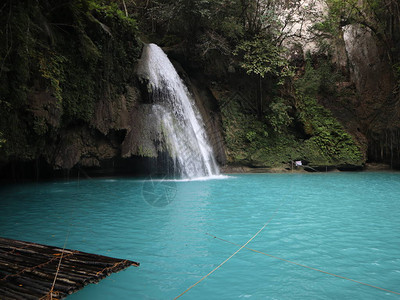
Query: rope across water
[(276, 257), (304, 266), (226, 260)]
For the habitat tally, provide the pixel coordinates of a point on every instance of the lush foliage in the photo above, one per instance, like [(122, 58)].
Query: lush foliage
[(243, 36), (327, 139), (328, 142), (57, 59), (252, 142), (293, 129), (261, 57), (318, 80), (279, 117)]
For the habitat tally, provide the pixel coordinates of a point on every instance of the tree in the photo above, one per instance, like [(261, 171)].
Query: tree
[(262, 58), (201, 26), (279, 118)]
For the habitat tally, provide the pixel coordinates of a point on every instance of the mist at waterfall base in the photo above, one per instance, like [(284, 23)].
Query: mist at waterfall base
[(182, 129), (343, 223)]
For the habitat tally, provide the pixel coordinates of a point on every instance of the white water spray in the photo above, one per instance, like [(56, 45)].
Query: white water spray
[(182, 126)]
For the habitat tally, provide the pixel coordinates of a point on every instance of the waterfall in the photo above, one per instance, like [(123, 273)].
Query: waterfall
[(181, 124)]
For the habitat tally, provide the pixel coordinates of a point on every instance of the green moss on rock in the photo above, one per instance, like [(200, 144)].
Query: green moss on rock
[(321, 142), (77, 52)]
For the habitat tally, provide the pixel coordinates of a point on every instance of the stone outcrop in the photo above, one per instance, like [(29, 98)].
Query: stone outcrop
[(377, 107)]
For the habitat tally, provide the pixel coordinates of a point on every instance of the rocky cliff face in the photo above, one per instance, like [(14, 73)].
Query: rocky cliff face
[(68, 90), (114, 132), (377, 105), (368, 103)]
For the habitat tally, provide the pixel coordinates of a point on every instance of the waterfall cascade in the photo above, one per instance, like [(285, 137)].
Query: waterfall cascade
[(182, 127)]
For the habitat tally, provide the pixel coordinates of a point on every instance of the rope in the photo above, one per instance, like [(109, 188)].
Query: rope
[(226, 260), (304, 266), (58, 267)]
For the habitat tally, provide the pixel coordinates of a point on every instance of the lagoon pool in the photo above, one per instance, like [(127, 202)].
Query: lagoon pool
[(342, 223)]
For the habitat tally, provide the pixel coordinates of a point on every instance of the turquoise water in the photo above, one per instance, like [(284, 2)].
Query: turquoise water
[(343, 223)]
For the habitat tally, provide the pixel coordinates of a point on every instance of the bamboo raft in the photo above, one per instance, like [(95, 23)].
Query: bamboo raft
[(28, 270)]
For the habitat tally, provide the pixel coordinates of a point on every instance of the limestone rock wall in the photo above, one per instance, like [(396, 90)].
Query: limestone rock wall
[(377, 106)]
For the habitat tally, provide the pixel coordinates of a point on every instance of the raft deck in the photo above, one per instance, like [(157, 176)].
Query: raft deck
[(27, 270)]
